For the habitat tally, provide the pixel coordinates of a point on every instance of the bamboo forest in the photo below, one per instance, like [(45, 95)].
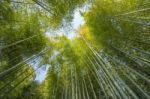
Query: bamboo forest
[(74, 49)]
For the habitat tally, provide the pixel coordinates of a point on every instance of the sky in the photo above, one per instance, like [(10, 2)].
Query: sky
[(76, 23), (41, 72), (78, 20)]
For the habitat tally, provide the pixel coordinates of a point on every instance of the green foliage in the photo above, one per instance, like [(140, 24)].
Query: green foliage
[(61, 11), (108, 59), (32, 91)]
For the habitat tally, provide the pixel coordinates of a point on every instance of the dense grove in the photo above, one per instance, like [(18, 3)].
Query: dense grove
[(109, 58)]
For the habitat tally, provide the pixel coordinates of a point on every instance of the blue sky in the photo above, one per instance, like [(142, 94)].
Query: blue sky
[(77, 21), (41, 73)]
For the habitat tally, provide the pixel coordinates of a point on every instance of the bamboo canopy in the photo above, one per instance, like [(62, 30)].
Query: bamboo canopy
[(107, 58)]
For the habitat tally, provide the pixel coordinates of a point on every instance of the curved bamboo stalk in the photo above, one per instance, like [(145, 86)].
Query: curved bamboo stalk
[(136, 11), (17, 42), (4, 73)]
